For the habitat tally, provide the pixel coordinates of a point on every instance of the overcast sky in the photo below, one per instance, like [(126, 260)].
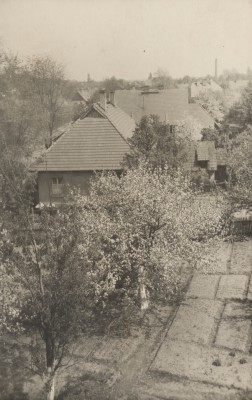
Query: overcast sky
[(131, 38)]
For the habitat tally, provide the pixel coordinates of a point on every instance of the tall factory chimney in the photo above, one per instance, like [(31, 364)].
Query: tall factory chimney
[(216, 69)]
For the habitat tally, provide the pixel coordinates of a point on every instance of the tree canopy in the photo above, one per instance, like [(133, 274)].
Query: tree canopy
[(163, 78), (157, 143), (212, 102), (48, 289), (240, 167), (241, 112)]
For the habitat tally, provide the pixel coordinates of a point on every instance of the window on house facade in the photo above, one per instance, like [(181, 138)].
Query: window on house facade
[(57, 186), (203, 164)]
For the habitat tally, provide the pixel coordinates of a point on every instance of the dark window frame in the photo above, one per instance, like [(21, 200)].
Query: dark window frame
[(59, 185)]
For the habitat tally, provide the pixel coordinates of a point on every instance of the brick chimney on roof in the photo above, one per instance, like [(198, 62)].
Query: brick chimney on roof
[(112, 98), (103, 100)]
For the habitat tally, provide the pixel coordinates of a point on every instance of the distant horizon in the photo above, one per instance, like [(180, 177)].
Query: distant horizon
[(129, 39), (153, 73), (231, 69)]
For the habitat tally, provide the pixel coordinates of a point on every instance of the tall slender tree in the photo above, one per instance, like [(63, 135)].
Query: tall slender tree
[(47, 83), (156, 143)]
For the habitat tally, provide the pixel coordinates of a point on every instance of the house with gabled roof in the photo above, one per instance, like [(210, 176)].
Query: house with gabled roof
[(98, 142)]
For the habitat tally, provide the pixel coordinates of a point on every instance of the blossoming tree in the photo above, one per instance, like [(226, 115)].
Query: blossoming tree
[(141, 229), (98, 260)]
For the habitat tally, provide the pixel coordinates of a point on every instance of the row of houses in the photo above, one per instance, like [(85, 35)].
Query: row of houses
[(192, 91), (99, 140)]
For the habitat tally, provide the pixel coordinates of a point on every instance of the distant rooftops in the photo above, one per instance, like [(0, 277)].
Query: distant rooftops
[(202, 86), (171, 105)]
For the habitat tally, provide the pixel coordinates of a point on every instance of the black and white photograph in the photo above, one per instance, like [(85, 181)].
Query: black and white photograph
[(125, 199)]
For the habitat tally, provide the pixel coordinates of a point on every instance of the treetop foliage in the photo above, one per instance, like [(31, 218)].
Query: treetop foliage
[(240, 167), (241, 112), (157, 143), (220, 139)]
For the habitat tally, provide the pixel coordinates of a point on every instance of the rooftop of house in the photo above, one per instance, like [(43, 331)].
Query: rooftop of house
[(121, 121), (81, 95), (96, 142), (171, 105), (200, 114), (205, 151), (203, 85)]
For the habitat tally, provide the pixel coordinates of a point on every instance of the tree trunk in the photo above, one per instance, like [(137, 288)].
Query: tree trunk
[(144, 304), (50, 384), (50, 360)]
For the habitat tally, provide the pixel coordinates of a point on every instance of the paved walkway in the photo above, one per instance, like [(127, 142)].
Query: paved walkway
[(209, 340)]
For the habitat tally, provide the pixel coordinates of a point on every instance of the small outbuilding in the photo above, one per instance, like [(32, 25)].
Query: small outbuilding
[(204, 156)]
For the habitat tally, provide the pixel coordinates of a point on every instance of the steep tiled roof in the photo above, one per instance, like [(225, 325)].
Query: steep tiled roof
[(203, 151), (191, 157), (212, 162), (93, 143), (121, 121), (206, 152), (201, 115), (61, 130)]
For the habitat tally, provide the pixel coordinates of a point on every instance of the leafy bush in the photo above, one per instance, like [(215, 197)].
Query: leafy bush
[(201, 179)]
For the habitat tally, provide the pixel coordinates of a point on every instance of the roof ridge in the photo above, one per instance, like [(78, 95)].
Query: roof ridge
[(94, 105), (205, 111), (114, 125), (105, 114), (94, 145)]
